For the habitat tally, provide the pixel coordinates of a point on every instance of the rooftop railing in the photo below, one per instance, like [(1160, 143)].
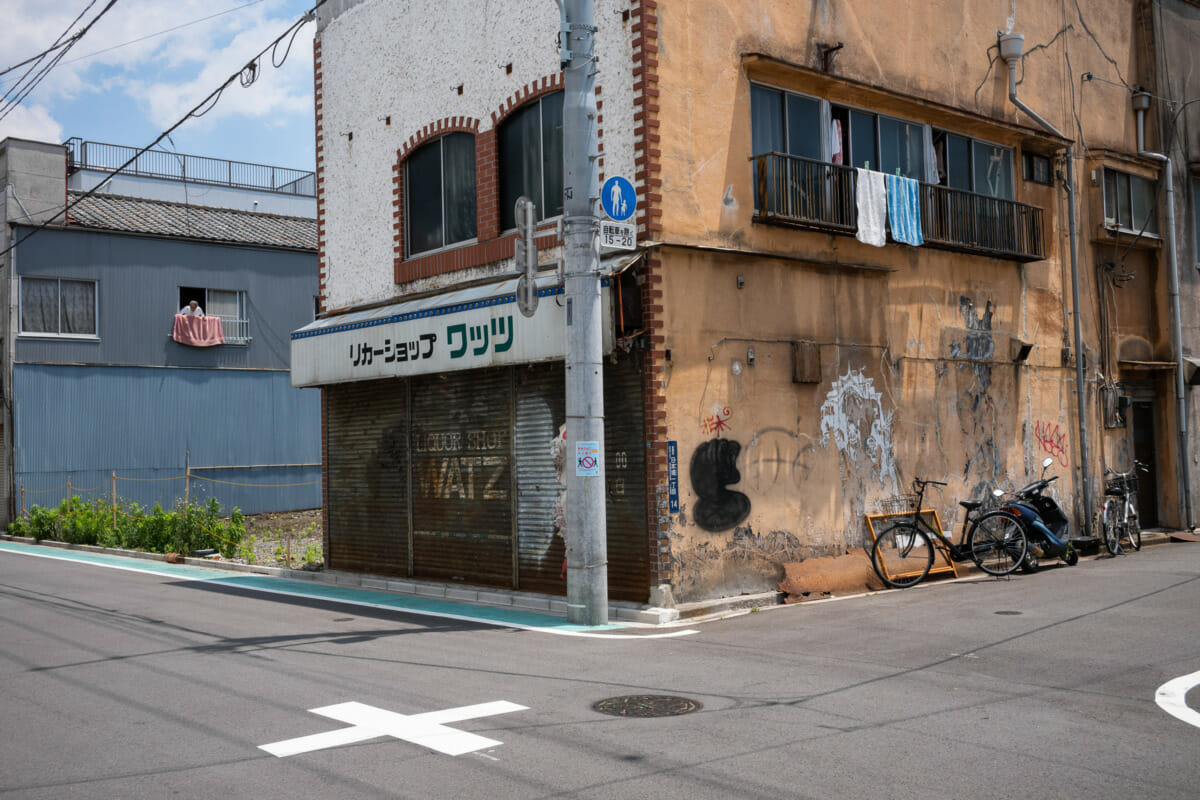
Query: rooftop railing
[(802, 192), (194, 169)]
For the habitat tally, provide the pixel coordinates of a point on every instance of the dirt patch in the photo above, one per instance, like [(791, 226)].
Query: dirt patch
[(283, 539), (829, 576)]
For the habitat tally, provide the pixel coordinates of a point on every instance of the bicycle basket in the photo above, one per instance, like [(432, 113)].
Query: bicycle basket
[(899, 504)]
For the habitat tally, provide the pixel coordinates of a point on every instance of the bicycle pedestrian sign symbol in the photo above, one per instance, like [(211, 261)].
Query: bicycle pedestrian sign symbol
[(618, 198), (587, 459)]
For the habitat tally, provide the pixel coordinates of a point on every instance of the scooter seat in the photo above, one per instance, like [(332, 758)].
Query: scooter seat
[(1114, 492), (970, 505)]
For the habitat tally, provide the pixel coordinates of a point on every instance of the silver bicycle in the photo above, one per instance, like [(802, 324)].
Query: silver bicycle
[(1119, 515)]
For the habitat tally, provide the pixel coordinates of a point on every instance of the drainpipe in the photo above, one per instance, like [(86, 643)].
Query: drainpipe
[(1011, 48), (1141, 102)]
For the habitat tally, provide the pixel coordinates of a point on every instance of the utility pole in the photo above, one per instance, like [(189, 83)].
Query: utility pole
[(586, 516)]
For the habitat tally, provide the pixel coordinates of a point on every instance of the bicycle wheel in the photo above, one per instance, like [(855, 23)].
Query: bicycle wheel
[(998, 542), (902, 555), (1132, 530), (1110, 526)]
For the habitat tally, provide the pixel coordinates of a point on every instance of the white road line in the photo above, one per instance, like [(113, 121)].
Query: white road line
[(369, 722), (1172, 698)]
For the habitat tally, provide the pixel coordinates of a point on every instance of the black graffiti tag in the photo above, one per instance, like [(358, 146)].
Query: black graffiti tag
[(713, 467)]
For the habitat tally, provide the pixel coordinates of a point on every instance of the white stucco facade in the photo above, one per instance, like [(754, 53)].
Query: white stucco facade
[(405, 61)]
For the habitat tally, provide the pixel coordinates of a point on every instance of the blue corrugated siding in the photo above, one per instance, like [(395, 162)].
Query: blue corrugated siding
[(84, 422)]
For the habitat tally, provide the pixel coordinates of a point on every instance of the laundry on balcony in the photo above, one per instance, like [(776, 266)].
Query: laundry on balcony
[(904, 209), (871, 197), (198, 331)]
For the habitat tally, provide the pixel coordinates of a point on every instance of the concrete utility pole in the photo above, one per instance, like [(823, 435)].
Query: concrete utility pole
[(587, 547)]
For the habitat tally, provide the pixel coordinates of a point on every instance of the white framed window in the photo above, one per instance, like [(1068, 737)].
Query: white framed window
[(1130, 202), (64, 307), (228, 304), (440, 193)]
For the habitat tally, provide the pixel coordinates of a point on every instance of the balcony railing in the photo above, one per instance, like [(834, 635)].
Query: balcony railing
[(196, 169), (791, 190)]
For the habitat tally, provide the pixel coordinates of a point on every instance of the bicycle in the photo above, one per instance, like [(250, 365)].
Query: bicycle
[(903, 553), (1119, 516)]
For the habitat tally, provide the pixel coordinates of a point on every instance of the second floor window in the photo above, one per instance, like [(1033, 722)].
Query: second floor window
[(229, 305), (58, 307), (973, 165), (531, 159), (440, 193), (1129, 202)]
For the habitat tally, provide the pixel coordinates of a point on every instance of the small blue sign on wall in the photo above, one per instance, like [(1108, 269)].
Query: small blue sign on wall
[(618, 198), (673, 475)]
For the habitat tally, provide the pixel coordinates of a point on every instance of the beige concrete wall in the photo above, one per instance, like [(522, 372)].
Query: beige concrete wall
[(916, 376)]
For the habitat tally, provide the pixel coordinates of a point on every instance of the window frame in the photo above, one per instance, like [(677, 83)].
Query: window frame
[(1115, 223), (971, 142), (235, 331), (58, 334), (408, 197), (822, 136), (506, 209)]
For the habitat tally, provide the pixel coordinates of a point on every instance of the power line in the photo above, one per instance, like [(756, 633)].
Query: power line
[(207, 104), (44, 71), (57, 42)]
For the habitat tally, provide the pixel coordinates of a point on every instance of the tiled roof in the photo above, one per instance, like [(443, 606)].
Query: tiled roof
[(162, 218)]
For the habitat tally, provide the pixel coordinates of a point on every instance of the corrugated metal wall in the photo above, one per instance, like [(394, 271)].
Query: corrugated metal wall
[(481, 466), (85, 422)]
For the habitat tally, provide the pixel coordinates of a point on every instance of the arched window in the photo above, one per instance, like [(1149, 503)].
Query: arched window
[(531, 159), (439, 195)]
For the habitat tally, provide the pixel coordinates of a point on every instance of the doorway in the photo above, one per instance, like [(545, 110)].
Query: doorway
[(1145, 451)]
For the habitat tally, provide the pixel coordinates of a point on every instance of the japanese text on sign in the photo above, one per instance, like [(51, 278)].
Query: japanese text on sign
[(587, 459), (618, 236)]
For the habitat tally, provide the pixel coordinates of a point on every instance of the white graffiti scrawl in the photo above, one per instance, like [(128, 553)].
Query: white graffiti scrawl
[(853, 417)]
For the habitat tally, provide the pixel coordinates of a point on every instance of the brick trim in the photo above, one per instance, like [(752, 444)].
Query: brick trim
[(648, 181), (490, 245), (318, 121)]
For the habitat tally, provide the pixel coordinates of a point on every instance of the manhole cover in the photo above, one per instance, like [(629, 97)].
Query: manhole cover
[(646, 705), (1009, 613)]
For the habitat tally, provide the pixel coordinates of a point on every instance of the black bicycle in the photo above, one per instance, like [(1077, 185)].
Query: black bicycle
[(903, 552), (1119, 515)]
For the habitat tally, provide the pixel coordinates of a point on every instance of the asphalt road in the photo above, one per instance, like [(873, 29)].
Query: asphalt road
[(125, 685)]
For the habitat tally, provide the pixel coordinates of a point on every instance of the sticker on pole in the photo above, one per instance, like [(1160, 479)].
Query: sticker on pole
[(587, 459), (618, 198)]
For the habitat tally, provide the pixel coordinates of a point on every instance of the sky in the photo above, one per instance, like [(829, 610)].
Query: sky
[(145, 63)]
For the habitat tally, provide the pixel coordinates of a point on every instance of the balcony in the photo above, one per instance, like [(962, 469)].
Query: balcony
[(801, 192)]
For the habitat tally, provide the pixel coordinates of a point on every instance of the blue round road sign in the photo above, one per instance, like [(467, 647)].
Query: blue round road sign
[(618, 198)]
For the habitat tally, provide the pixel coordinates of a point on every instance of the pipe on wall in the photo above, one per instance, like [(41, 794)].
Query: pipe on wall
[(1011, 48)]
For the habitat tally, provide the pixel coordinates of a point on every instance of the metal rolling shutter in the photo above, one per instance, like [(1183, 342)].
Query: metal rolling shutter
[(461, 446), (541, 409), (625, 474), (368, 477)]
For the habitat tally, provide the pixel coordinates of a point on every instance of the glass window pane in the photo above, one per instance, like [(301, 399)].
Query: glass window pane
[(1196, 215), (958, 162), (993, 170), (423, 171), (766, 121), (78, 311), (520, 163), (458, 167), (900, 149), (39, 305), (862, 141), (1124, 214), (552, 155), (223, 304), (804, 127), (1110, 196), (1144, 201)]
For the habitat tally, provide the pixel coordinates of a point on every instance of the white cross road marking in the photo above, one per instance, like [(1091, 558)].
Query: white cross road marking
[(1172, 698), (368, 722)]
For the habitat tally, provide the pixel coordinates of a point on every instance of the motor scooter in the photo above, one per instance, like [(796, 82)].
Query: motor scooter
[(1046, 526)]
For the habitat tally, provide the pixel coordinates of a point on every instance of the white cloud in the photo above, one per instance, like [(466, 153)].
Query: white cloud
[(31, 122)]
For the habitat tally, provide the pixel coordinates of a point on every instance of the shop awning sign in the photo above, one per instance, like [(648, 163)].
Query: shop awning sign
[(465, 329)]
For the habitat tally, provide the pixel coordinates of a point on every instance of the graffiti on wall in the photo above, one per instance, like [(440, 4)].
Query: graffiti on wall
[(778, 457), (976, 408), (1053, 441), (713, 468), (854, 419), (717, 421)]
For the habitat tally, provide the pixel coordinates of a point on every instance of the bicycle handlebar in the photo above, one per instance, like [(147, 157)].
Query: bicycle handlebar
[(922, 482)]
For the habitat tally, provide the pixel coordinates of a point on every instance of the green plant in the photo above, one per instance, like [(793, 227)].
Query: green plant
[(312, 553), (246, 548)]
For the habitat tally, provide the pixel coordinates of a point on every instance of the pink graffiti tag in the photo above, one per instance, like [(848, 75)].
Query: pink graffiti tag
[(1052, 440), (717, 421)]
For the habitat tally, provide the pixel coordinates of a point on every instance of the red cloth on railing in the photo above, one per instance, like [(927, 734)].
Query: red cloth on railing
[(198, 331)]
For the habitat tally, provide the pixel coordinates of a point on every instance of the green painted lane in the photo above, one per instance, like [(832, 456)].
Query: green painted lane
[(487, 615)]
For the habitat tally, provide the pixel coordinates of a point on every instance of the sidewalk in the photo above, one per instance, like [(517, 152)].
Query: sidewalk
[(522, 610)]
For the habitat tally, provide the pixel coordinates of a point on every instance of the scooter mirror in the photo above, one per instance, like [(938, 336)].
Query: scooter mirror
[(997, 493), (1047, 462)]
